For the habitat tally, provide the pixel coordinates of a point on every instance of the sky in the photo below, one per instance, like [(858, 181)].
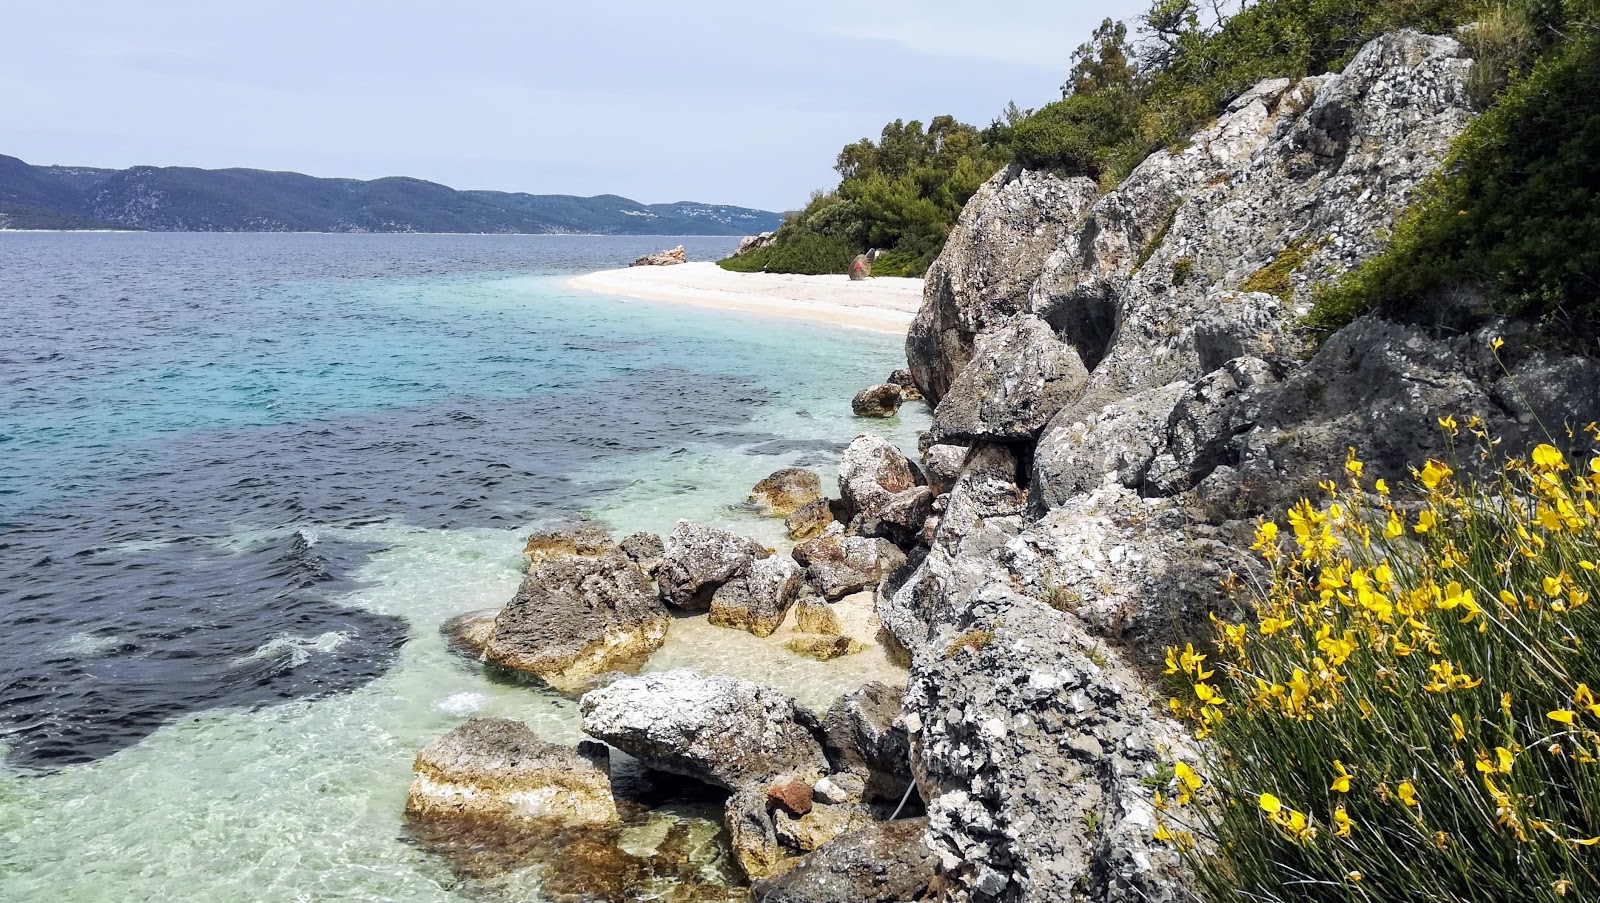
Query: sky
[(724, 102)]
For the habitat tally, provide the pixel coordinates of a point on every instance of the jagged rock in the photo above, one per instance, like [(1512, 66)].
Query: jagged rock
[(814, 615), (861, 268), (863, 736), (469, 632), (787, 490), (991, 259), (840, 788), (840, 565), (662, 258), (754, 242), (585, 541), (753, 834), (496, 768), (1020, 375), (942, 464), (881, 491), (1034, 760), (885, 862), (720, 730), (758, 599), (820, 824), (643, 549), (908, 386), (823, 648), (793, 795), (809, 519), (1203, 425), (877, 401), (574, 618), (1082, 449), (698, 559)]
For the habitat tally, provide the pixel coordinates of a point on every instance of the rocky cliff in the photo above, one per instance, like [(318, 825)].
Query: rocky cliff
[(1124, 381)]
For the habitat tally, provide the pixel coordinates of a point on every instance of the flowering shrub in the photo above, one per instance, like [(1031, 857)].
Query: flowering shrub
[(1414, 713)]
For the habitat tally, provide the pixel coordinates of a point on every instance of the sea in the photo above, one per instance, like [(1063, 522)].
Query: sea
[(245, 477)]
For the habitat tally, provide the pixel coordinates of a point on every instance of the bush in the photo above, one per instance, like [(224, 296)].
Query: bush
[(1083, 135), (807, 253), (1414, 712)]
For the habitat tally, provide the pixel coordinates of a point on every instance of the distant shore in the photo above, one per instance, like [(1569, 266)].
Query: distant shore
[(885, 304)]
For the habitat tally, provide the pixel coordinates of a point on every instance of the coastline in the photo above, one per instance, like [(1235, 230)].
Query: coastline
[(885, 304)]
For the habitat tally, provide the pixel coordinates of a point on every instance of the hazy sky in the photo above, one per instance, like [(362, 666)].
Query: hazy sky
[(732, 102)]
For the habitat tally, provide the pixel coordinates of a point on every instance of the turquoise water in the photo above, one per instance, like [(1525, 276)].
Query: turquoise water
[(244, 478)]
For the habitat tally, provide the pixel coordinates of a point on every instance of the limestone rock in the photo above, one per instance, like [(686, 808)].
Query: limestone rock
[(1020, 375), (753, 834), (942, 464), (1082, 449), (881, 491), (820, 824), (877, 401), (991, 259), (814, 615), (787, 490), (643, 549), (823, 648), (840, 565), (585, 541), (662, 258), (698, 559), (496, 768), (758, 599), (720, 730), (863, 736), (469, 633), (754, 242), (908, 386), (574, 618), (809, 519), (885, 862), (839, 788)]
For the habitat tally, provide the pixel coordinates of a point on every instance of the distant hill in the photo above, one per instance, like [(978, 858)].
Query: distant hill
[(182, 199)]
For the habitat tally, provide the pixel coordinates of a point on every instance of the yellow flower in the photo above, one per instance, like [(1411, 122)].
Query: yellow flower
[(1498, 343), (1407, 793), (1433, 473), (1564, 716), (1426, 521), (1341, 821), (1382, 486), (1448, 423), (1354, 876), (1548, 457), (1187, 775), (1341, 784), (1460, 727), (1271, 804), (1205, 694), (1395, 528)]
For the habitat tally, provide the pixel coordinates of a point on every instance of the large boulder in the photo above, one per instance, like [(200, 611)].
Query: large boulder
[(758, 599), (1019, 377), (839, 565), (877, 401), (991, 259), (809, 519), (882, 491), (499, 769), (469, 632), (864, 736), (574, 618), (720, 730), (885, 862), (785, 491), (698, 559)]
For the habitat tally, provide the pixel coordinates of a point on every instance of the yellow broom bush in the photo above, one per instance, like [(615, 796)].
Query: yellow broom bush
[(1414, 711)]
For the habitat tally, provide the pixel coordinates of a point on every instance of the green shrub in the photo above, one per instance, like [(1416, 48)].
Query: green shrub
[(1411, 716)]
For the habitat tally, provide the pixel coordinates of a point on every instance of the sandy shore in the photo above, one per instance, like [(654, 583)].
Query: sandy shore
[(885, 304)]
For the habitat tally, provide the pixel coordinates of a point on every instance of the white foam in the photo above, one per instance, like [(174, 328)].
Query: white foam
[(297, 650), (462, 703)]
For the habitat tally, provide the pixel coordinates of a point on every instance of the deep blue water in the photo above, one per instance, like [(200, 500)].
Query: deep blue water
[(179, 414)]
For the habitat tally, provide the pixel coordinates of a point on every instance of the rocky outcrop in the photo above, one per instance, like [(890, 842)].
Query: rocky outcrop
[(754, 242), (864, 737), (882, 491), (886, 862), (908, 386), (498, 769), (758, 599), (877, 401), (1019, 377), (839, 565), (697, 560), (785, 491), (991, 259), (662, 258), (720, 730), (576, 617)]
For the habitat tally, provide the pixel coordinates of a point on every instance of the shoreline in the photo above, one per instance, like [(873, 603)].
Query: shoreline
[(884, 304)]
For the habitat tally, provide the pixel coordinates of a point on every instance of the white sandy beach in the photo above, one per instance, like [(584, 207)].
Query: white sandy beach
[(886, 304)]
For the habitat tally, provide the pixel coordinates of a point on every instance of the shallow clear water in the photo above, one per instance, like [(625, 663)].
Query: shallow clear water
[(243, 478)]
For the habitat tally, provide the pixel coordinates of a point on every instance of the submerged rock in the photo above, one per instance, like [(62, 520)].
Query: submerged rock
[(759, 599), (720, 730), (575, 618), (469, 633), (877, 401), (809, 519), (823, 648), (885, 862), (787, 490), (698, 560), (496, 768)]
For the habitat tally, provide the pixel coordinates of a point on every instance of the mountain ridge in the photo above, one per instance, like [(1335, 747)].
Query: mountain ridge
[(190, 199)]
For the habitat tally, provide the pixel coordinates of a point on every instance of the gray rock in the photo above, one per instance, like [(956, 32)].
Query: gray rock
[(575, 617), (699, 559), (861, 267), (839, 565), (499, 769), (908, 386), (1018, 378), (881, 491), (720, 730), (877, 401), (787, 490), (669, 258), (885, 862), (1081, 449), (840, 788), (942, 464), (753, 834), (863, 737), (759, 599), (1203, 425), (645, 550)]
